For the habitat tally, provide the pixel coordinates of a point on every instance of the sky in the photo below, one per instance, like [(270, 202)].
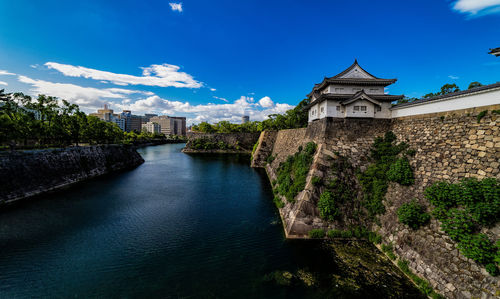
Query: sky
[(219, 60)]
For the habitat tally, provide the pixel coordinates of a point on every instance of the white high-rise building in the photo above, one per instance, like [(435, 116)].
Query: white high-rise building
[(151, 127)]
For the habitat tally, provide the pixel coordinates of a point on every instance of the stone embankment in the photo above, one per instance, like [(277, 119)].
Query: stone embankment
[(237, 143), (449, 146), (27, 173)]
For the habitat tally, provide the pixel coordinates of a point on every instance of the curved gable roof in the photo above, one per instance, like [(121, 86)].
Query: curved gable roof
[(347, 77), (354, 66)]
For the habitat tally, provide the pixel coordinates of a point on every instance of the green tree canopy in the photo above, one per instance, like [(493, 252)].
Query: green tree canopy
[(474, 84)]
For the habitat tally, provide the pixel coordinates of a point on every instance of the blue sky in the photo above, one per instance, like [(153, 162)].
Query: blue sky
[(217, 60)]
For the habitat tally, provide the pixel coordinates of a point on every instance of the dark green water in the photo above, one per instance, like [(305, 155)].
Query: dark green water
[(178, 226)]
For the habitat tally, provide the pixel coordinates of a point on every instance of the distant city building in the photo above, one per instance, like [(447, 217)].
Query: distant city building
[(119, 121), (245, 119), (104, 114), (132, 122), (151, 127), (171, 125), (495, 51), (147, 117)]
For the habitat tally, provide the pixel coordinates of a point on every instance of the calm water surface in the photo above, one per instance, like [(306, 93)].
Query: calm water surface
[(178, 226)]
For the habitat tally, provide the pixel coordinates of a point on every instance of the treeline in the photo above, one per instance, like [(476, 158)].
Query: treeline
[(293, 118), (42, 122), (445, 89)]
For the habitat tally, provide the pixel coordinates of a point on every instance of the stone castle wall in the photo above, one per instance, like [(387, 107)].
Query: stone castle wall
[(28, 173), (449, 146)]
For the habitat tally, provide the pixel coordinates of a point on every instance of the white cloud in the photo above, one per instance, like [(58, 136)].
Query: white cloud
[(163, 75), (477, 7), (2, 72), (3, 83), (176, 6), (266, 102), (205, 112), (222, 99), (88, 98), (452, 77), (213, 89)]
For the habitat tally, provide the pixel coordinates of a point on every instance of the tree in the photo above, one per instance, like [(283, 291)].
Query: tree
[(449, 88), (445, 89), (474, 84), (205, 127)]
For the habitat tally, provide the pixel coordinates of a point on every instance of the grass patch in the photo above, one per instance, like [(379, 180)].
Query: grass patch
[(316, 234)]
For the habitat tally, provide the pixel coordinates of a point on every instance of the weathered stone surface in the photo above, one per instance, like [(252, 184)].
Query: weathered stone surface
[(451, 148), (28, 173)]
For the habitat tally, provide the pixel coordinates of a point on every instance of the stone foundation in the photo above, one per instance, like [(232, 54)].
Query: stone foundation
[(449, 146)]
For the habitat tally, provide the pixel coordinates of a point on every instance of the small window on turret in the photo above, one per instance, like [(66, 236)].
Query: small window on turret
[(379, 108), (338, 108), (356, 108), (363, 108)]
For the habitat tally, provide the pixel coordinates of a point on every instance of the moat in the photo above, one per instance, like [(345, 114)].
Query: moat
[(178, 226)]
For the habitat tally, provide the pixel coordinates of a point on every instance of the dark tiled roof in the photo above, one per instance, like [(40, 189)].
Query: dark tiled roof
[(348, 97), (357, 81), (449, 95), (347, 70), (495, 51)]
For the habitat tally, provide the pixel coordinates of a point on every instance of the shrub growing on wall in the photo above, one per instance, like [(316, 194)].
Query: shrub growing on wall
[(401, 172), (413, 214), (463, 209), (327, 207), (316, 233), (292, 173), (374, 180)]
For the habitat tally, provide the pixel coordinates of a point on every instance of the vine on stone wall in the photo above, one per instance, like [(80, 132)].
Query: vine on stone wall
[(463, 209), (386, 167), (293, 172), (337, 191)]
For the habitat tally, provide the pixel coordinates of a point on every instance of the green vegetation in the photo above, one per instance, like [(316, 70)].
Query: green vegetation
[(400, 172), (374, 181), (293, 172), (422, 284), (43, 122), (413, 214), (316, 234), (389, 250), (208, 144), (316, 181), (293, 118), (463, 209), (337, 191), (270, 159), (481, 115), (496, 111), (445, 89), (474, 85), (255, 148), (327, 206), (278, 202)]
